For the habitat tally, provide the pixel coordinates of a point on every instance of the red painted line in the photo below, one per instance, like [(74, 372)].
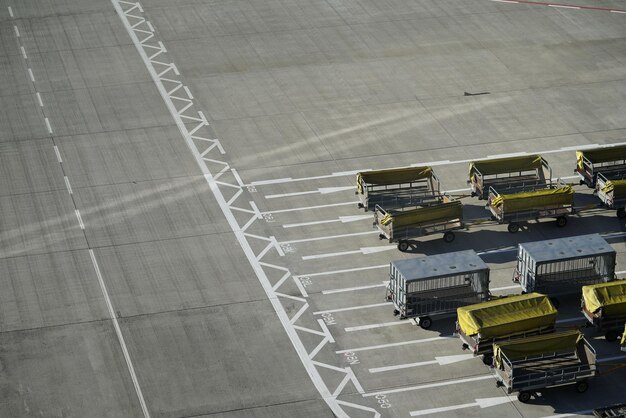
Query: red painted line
[(604, 9)]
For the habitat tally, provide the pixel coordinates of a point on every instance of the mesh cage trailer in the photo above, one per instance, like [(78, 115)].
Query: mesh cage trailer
[(437, 285), (562, 266)]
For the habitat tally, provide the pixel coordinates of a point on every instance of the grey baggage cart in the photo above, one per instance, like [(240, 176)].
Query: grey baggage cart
[(563, 266), (530, 364), (518, 208), (404, 224), (612, 193), (435, 286), (613, 411), (610, 161), (398, 187), (604, 307), (509, 175)]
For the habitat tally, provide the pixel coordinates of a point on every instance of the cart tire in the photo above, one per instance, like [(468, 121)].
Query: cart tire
[(561, 221), (621, 213), (611, 336), (523, 397), (360, 205), (555, 302), (448, 236), (403, 245), (582, 386), (513, 227), (425, 322), (487, 359)]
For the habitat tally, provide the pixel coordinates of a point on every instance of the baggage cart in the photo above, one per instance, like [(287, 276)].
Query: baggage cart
[(509, 175), (562, 266), (610, 161), (480, 325), (530, 364), (604, 306), (612, 193), (622, 342), (404, 224), (435, 286), (398, 187), (613, 411), (518, 208)]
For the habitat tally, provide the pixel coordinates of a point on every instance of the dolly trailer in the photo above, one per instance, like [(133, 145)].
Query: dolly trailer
[(604, 306), (435, 286), (610, 161)]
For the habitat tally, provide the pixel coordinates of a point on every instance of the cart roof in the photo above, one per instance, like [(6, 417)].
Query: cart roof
[(440, 265), (505, 165), (601, 155), (611, 297), (423, 215), (558, 342), (566, 248), (393, 176)]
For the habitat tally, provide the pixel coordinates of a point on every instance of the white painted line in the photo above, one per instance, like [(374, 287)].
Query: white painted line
[(274, 196), (620, 272), (322, 190), (237, 177), (389, 345), (566, 320), (604, 360), (39, 98), (442, 361), (379, 325), (23, 52), (429, 385), (442, 162), (119, 334), (505, 1), (277, 245), (56, 151), (191, 97), (32, 76), (561, 6), (457, 190), (509, 155), (481, 403), (48, 125), (67, 184), (363, 250), (17, 31), (352, 308), (256, 210), (150, 26), (506, 288), (571, 414), (80, 220), (10, 11), (309, 208), (617, 11), (351, 289), (300, 286), (354, 234), (328, 273), (342, 219)]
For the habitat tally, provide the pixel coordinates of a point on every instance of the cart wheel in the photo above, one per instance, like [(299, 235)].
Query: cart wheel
[(555, 302), (425, 322), (403, 245), (360, 205), (561, 221), (513, 227), (611, 336), (582, 386), (621, 213), (523, 397), (448, 236), (487, 359)]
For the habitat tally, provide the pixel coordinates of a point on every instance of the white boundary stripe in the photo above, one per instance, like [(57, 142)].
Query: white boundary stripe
[(350, 289), (379, 325), (67, 184), (48, 125), (32, 76), (566, 320), (389, 345), (562, 6), (328, 273), (309, 208), (230, 218), (56, 151), (430, 385), (329, 237), (119, 334), (352, 308), (604, 360), (23, 52), (17, 31), (10, 11), (80, 220), (39, 98)]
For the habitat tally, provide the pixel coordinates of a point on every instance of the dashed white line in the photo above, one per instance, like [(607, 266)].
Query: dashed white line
[(39, 98), (48, 125), (56, 151), (505, 1), (67, 184), (389, 345), (352, 308), (379, 325), (80, 220), (617, 11), (32, 76), (23, 52), (10, 11), (562, 6), (17, 31), (351, 289)]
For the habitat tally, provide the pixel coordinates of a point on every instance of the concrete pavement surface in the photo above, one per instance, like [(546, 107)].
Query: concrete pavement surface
[(179, 234)]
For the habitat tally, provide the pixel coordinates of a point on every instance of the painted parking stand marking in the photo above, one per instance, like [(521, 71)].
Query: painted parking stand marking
[(398, 344), (561, 5), (321, 190), (354, 234), (566, 320), (571, 414), (379, 325), (351, 289), (332, 205), (505, 288), (442, 361), (333, 272), (362, 250), (481, 403), (430, 385), (604, 360), (342, 219), (352, 308)]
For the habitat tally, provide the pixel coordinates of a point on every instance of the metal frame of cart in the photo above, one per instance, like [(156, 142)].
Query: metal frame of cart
[(435, 286), (610, 161), (604, 307), (612, 199)]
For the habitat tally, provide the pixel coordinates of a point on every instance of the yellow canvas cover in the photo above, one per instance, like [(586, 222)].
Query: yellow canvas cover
[(601, 155), (392, 176), (507, 316), (505, 165), (546, 198), (558, 342), (623, 341), (419, 216), (618, 187), (611, 297)]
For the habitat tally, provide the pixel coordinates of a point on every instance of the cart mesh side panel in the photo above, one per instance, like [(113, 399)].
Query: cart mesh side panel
[(552, 277)]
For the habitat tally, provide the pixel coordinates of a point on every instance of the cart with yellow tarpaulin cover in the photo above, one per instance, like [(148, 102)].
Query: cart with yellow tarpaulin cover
[(612, 193), (604, 306), (610, 161), (480, 325), (530, 364), (517, 208), (404, 224), (509, 175), (398, 187)]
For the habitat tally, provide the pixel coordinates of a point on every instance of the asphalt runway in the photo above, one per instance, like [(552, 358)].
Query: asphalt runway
[(179, 233)]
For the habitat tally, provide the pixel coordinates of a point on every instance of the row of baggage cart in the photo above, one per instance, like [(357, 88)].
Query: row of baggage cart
[(409, 203)]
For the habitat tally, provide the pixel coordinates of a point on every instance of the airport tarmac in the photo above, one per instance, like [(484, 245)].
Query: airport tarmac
[(179, 233)]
